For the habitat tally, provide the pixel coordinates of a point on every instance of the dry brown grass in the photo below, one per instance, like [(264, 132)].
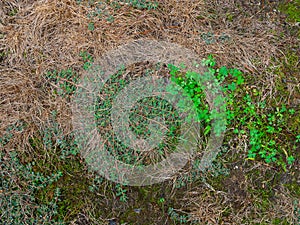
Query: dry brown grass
[(47, 35)]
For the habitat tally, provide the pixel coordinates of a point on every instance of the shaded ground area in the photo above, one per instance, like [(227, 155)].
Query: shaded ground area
[(46, 45)]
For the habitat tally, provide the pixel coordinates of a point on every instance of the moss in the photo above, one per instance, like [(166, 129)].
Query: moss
[(73, 185), (45, 195), (226, 212), (279, 221), (263, 187), (217, 182), (148, 194), (76, 195), (294, 188)]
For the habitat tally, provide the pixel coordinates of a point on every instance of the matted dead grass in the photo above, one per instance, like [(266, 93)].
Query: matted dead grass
[(46, 35), (49, 34)]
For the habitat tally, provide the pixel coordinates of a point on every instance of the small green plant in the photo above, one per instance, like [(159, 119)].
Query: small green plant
[(97, 181), (264, 127), (87, 58), (13, 12), (9, 132), (210, 38), (66, 81), (121, 193), (91, 26), (179, 217), (161, 200), (142, 4)]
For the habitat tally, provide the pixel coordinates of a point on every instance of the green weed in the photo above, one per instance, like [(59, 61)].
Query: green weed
[(292, 9), (263, 126)]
